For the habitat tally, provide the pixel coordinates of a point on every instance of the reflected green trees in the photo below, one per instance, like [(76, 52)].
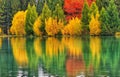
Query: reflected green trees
[(67, 56)]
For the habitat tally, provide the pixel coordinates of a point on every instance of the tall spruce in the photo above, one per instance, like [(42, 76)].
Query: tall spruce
[(104, 21), (102, 3), (30, 19), (58, 12), (113, 19), (5, 15), (85, 17), (46, 13)]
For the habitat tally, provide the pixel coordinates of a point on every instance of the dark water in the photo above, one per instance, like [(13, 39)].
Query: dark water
[(60, 57)]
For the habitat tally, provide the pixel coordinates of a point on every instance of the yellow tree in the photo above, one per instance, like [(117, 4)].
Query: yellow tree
[(18, 23), (52, 26), (94, 25), (36, 27), (73, 27)]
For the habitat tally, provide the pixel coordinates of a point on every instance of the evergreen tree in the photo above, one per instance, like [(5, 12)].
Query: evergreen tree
[(102, 3), (117, 2), (85, 17), (46, 13), (113, 19), (53, 3), (40, 4), (58, 12), (30, 19), (104, 21), (93, 9), (5, 15)]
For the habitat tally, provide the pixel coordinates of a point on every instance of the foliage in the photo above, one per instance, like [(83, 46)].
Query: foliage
[(73, 27), (102, 3), (36, 27), (31, 16), (46, 13), (93, 9), (94, 25), (104, 21), (85, 18), (5, 14), (58, 12), (53, 26), (73, 8), (18, 23), (113, 19), (117, 2)]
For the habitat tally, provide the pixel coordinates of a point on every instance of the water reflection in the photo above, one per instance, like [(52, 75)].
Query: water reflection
[(61, 57)]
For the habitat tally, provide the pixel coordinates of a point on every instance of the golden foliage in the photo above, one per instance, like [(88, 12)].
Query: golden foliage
[(1, 42), (73, 27), (95, 46), (19, 50), (94, 25), (36, 27), (18, 23), (38, 47), (74, 46), (53, 26), (54, 47)]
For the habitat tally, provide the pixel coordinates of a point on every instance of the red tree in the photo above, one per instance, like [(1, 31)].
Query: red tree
[(73, 8)]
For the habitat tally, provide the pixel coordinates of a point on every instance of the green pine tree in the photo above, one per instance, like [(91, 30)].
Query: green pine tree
[(113, 19), (58, 12), (104, 21), (30, 19), (93, 9), (102, 3), (85, 17), (46, 13), (5, 15)]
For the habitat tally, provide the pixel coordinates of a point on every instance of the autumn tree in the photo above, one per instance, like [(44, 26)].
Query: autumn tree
[(73, 27), (73, 8), (53, 26), (94, 24), (18, 23), (31, 16), (85, 17), (113, 19), (36, 27)]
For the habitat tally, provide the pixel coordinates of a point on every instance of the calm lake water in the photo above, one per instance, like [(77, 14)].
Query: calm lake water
[(60, 57)]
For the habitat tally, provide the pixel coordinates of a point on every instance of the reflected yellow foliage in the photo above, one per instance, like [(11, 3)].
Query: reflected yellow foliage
[(38, 47), (95, 46), (18, 23), (0, 42), (95, 25), (54, 47), (53, 26), (73, 27), (19, 50), (74, 46), (36, 27)]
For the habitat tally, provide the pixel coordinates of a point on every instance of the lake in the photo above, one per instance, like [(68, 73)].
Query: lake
[(60, 57)]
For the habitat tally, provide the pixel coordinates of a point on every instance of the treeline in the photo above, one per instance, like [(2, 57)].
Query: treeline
[(49, 17)]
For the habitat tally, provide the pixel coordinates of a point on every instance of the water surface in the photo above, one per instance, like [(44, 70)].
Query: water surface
[(60, 57)]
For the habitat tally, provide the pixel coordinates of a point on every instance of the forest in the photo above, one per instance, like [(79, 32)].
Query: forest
[(59, 17)]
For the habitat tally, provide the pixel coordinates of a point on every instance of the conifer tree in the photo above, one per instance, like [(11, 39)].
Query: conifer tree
[(31, 16), (46, 13), (85, 17), (104, 21), (102, 3), (58, 12), (113, 19)]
